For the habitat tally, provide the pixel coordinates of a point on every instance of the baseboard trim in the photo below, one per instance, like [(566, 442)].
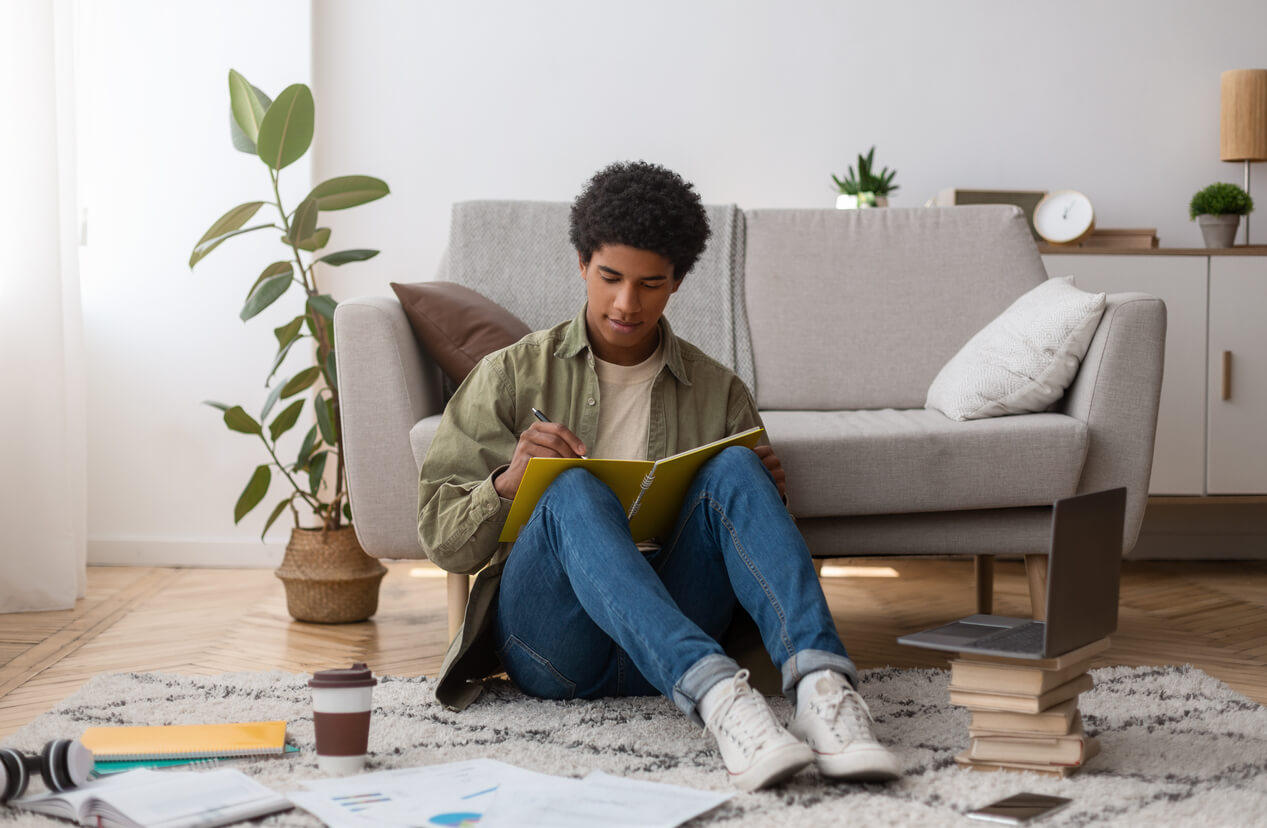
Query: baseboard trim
[(185, 552)]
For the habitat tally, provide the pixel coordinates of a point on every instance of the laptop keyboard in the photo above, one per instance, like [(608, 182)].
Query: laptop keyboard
[(1027, 638)]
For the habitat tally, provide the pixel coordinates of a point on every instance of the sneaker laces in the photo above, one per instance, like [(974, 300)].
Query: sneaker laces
[(754, 724), (846, 700)]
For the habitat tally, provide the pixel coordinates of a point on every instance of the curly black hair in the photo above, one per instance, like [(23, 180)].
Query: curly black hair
[(641, 205)]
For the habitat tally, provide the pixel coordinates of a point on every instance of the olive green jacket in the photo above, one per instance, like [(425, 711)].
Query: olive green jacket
[(694, 400)]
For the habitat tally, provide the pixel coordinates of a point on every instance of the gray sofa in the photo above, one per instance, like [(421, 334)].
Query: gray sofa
[(839, 320)]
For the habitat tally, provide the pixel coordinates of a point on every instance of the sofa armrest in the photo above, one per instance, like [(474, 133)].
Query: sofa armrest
[(1116, 393), (386, 385)]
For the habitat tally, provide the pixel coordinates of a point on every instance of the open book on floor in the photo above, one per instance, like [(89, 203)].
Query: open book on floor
[(651, 492), (173, 799)]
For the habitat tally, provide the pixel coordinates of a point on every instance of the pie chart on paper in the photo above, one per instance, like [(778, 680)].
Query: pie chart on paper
[(456, 819)]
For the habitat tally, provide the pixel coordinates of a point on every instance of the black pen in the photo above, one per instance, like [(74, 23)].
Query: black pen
[(540, 415)]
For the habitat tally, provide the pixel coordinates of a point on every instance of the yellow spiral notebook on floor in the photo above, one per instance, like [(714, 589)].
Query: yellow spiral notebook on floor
[(651, 492), (185, 741)]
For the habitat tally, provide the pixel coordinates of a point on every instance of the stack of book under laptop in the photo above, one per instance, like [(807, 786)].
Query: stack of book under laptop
[(1024, 711)]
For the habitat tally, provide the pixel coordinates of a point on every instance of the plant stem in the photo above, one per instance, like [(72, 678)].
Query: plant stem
[(312, 503)]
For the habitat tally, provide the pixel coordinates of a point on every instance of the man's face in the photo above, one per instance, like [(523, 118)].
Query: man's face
[(626, 289)]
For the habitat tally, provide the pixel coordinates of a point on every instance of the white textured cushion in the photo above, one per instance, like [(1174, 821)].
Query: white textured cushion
[(1023, 360)]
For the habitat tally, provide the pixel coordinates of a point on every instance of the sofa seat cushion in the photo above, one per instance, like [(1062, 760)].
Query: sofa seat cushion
[(892, 461)]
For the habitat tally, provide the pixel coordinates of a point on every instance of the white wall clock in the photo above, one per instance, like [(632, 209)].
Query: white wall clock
[(1064, 217)]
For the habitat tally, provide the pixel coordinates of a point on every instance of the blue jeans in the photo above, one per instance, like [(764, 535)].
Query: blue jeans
[(582, 613)]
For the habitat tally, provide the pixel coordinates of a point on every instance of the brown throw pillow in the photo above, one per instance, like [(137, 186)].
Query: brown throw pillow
[(457, 325)]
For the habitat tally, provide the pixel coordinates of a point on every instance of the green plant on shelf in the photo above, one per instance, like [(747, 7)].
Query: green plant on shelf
[(866, 181), (1220, 199)]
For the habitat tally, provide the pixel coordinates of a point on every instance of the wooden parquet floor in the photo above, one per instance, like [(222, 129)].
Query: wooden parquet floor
[(205, 621)]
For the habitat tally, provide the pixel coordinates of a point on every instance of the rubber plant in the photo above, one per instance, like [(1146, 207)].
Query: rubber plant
[(279, 132)]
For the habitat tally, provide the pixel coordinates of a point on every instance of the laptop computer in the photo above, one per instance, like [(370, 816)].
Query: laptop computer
[(1083, 571)]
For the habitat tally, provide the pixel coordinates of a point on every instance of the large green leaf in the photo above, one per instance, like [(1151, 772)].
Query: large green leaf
[(308, 445), (275, 269), (304, 379), (319, 238), (286, 419), (277, 360), (248, 109), (323, 304), (286, 333), (325, 419), (286, 131), (254, 492), (277, 511), (203, 250), (304, 223), (237, 419), (231, 220), (348, 191), (225, 227), (345, 256), (332, 371), (273, 396), (315, 470), (265, 295)]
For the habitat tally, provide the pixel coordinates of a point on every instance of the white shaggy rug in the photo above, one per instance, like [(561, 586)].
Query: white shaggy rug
[(1179, 747)]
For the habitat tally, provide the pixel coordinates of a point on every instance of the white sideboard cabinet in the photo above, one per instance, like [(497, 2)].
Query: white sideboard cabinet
[(1212, 421)]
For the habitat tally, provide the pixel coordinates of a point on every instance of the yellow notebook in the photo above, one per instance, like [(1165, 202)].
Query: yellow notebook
[(651, 492), (185, 741)]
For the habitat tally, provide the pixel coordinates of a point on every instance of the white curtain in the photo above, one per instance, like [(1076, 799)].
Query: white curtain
[(43, 515)]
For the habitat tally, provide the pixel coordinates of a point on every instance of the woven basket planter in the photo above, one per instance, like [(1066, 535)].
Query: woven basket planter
[(329, 579)]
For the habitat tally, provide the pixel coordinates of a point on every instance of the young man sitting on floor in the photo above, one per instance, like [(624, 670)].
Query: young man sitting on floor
[(576, 609)]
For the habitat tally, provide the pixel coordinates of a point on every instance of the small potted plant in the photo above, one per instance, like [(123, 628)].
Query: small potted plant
[(1217, 210), (865, 189), (328, 577)]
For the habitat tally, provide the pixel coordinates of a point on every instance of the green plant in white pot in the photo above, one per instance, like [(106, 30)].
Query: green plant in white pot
[(328, 576), (865, 188), (1217, 209)]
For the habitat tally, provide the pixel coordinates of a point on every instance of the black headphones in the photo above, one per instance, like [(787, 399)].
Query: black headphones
[(63, 764)]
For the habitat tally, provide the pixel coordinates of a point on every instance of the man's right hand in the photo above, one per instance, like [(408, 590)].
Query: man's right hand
[(540, 440)]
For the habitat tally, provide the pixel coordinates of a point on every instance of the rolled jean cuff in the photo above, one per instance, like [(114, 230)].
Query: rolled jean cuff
[(698, 679), (807, 661)]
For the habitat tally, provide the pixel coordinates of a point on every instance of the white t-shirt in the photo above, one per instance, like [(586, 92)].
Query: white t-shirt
[(625, 414)]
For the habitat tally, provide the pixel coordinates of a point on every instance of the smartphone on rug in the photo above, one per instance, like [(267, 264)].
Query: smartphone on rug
[(1020, 808)]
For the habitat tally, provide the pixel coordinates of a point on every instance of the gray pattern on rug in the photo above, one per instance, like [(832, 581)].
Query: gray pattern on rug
[(1179, 747)]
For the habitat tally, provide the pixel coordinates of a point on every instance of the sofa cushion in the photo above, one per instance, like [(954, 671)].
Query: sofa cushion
[(421, 435), (917, 460), (1024, 360), (858, 309), (456, 325)]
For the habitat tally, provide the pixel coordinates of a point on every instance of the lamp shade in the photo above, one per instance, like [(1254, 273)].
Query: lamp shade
[(1243, 115)]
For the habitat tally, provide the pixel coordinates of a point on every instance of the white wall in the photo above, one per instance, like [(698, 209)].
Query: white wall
[(756, 102), (156, 169), (759, 102)]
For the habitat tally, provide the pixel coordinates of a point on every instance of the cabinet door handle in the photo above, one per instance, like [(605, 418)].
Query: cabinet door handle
[(1227, 375)]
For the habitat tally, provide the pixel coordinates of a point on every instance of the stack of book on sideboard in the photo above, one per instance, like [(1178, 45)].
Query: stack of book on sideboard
[(1024, 711)]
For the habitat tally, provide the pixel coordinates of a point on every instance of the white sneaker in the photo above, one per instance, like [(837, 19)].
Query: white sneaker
[(757, 750), (836, 723)]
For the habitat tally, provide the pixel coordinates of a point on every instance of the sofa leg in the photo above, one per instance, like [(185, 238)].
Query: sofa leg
[(983, 569), (1036, 572), (459, 588)]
